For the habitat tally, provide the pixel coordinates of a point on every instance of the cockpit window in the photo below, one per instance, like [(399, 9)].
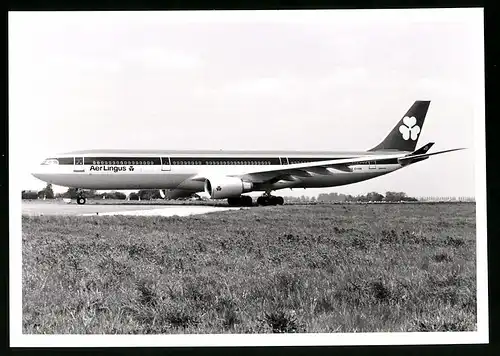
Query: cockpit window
[(50, 161)]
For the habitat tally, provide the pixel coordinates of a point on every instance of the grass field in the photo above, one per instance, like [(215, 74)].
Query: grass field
[(322, 268)]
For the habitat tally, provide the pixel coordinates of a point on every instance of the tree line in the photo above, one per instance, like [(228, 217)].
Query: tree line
[(339, 197), (71, 193), (150, 194)]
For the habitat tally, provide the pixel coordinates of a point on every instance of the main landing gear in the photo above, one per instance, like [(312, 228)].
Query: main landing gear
[(243, 200), (270, 200), (80, 199)]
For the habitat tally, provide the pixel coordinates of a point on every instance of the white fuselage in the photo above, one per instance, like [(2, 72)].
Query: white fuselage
[(122, 169)]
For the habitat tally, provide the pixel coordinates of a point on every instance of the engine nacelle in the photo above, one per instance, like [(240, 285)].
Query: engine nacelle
[(226, 187)]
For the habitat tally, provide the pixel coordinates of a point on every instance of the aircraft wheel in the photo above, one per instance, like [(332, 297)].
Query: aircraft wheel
[(262, 201), (280, 200), (273, 200), (246, 200), (81, 200), (233, 201)]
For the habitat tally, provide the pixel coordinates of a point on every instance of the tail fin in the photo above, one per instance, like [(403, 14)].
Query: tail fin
[(405, 134)]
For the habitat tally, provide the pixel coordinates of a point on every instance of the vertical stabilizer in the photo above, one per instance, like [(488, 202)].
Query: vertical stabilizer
[(405, 134)]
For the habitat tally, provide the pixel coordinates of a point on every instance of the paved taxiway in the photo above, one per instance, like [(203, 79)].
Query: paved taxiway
[(60, 208)]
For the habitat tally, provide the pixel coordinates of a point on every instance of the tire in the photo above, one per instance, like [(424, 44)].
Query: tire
[(262, 201), (81, 200), (280, 200), (246, 200), (233, 201)]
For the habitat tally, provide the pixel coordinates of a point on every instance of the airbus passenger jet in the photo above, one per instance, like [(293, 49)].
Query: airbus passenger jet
[(229, 174)]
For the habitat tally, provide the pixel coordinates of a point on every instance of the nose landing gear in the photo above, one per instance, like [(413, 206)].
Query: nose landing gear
[(80, 199)]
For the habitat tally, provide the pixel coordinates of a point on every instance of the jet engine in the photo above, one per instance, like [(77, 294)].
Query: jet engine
[(226, 187)]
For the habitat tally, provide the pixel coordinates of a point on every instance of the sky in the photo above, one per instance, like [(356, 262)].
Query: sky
[(249, 80)]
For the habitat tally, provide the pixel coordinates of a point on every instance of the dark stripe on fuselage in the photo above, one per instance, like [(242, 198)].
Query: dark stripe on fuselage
[(380, 161), (65, 160), (194, 161), (207, 161), (122, 161)]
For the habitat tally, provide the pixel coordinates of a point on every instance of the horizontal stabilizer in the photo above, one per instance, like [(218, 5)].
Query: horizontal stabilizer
[(411, 158), (423, 149)]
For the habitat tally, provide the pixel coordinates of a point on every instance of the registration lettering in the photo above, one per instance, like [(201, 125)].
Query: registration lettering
[(113, 169)]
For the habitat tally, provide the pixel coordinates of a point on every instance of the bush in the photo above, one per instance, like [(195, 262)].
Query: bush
[(114, 195), (29, 194), (148, 194), (70, 193), (133, 196)]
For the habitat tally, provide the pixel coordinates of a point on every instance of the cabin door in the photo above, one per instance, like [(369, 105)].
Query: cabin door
[(78, 167), (372, 165), (283, 160), (165, 163)]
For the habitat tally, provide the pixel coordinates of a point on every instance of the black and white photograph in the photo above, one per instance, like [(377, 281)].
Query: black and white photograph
[(247, 178)]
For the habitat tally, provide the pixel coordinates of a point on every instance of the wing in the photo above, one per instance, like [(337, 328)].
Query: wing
[(292, 172)]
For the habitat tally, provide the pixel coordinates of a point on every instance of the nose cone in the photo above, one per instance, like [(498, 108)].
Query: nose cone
[(39, 173), (36, 175)]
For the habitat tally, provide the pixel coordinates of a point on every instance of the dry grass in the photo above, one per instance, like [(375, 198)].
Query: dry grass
[(323, 268)]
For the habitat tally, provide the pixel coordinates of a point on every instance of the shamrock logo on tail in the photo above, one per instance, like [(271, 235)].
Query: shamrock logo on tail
[(409, 128)]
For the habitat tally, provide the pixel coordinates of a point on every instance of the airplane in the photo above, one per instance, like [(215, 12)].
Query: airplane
[(230, 174)]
